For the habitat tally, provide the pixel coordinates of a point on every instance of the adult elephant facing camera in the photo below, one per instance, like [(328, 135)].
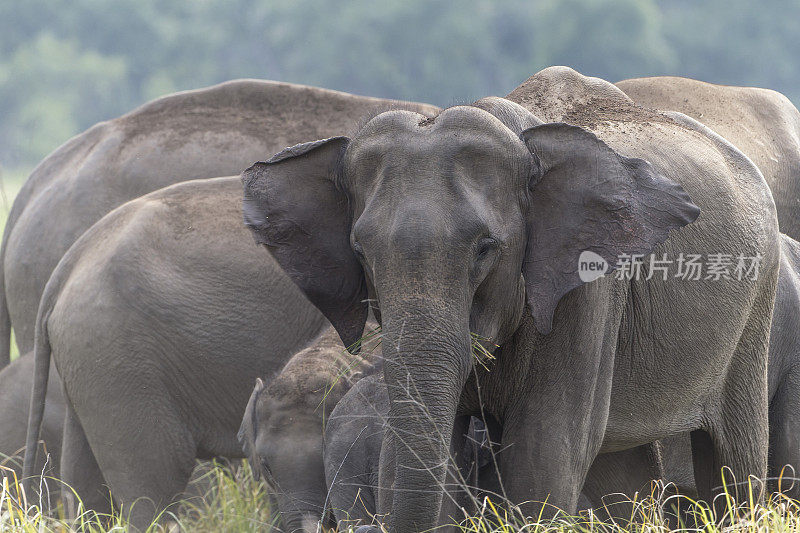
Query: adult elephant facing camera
[(462, 224)]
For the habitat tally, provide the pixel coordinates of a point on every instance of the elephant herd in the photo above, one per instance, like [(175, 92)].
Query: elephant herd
[(414, 312)]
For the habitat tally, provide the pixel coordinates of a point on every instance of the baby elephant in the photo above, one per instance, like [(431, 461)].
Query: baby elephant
[(283, 427), (353, 439), (354, 436)]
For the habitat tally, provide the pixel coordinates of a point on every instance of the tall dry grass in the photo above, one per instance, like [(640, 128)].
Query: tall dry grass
[(234, 501)]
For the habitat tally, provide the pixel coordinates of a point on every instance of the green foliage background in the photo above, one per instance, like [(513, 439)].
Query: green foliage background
[(66, 64)]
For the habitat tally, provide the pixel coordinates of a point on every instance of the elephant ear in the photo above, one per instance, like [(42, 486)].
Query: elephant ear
[(247, 431), (585, 196), (293, 205)]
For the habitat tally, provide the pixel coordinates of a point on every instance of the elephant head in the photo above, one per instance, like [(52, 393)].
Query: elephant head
[(449, 226), (282, 437)]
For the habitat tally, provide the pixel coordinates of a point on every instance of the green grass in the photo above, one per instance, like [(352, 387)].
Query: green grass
[(228, 499), (234, 501)]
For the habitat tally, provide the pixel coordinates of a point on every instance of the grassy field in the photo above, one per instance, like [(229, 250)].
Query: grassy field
[(233, 501)]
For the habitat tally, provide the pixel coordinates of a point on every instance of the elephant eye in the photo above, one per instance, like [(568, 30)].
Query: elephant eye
[(485, 246)]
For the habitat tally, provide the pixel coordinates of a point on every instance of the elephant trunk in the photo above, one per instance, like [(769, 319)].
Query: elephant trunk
[(427, 361)]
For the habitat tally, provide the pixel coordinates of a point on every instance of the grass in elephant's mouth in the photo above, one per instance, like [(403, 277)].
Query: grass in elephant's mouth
[(235, 502)]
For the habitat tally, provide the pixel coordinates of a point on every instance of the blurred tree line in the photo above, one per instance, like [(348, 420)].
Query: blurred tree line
[(65, 65)]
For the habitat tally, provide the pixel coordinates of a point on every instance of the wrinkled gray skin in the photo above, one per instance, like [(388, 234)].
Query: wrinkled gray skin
[(354, 437), (784, 368), (765, 126), (762, 123), (283, 426), (459, 224), (210, 132), (784, 387), (16, 382), (153, 323)]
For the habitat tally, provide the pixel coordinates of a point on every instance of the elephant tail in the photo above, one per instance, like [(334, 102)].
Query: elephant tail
[(41, 375)]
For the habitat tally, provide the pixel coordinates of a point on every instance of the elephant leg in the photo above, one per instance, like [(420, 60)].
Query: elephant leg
[(553, 434), (784, 437), (355, 505), (676, 454), (731, 454), (82, 480), (705, 462), (741, 431), (148, 465), (542, 469), (615, 479), (724, 457)]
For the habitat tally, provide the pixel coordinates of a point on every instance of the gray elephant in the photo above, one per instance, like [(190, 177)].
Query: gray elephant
[(210, 132), (283, 426), (354, 436), (459, 225), (784, 389), (763, 124), (16, 382), (154, 324), (353, 439), (784, 368)]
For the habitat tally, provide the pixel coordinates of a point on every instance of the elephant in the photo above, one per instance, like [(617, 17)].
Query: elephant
[(353, 453), (354, 436), (783, 378), (205, 133), (353, 439), (784, 368), (283, 425), (762, 123), (765, 126), (16, 382), (457, 227), (153, 325)]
